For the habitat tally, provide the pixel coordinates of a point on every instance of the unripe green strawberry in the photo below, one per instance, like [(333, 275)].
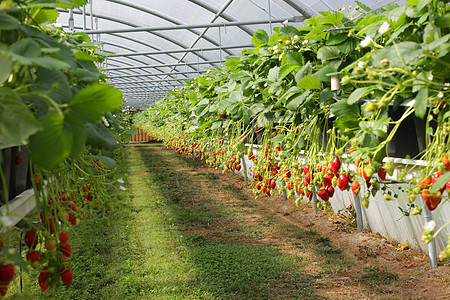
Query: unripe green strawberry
[(389, 167)]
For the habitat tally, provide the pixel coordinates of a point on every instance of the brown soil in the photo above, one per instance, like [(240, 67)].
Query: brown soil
[(261, 222)]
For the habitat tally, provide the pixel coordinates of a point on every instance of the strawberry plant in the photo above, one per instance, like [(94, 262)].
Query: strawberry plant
[(55, 102), (279, 96)]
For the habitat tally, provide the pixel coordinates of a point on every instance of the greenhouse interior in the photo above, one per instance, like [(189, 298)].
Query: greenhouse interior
[(234, 149)]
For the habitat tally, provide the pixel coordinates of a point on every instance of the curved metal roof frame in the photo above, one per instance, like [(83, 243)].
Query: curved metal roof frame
[(143, 77), (134, 25)]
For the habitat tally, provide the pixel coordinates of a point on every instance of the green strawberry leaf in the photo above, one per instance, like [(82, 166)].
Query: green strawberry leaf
[(8, 22), (94, 101), (440, 182), (50, 146), (12, 109)]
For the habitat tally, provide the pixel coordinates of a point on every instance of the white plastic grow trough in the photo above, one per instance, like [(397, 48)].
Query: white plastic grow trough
[(384, 216)]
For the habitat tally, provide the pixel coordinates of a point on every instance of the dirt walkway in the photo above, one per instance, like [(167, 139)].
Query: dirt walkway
[(343, 264)]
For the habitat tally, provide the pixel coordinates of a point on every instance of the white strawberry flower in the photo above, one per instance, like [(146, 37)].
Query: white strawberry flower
[(120, 180), (429, 226), (123, 188), (105, 121), (440, 95), (383, 28), (366, 42)]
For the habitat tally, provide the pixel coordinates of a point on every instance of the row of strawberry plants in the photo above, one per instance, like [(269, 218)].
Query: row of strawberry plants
[(279, 94), (55, 102)]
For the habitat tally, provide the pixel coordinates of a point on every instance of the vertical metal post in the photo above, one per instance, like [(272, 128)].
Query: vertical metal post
[(431, 245), (220, 46), (244, 168), (96, 28), (84, 17), (283, 183), (92, 17), (314, 200), (71, 21), (270, 16), (198, 65), (359, 221)]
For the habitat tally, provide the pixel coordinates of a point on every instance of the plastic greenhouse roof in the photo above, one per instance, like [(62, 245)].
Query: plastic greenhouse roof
[(158, 44)]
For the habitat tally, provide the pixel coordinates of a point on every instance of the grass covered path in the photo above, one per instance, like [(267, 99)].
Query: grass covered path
[(183, 230), (181, 233)]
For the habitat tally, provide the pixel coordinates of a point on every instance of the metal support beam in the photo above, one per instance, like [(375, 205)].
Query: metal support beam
[(305, 11), (200, 36), (148, 88), (156, 74), (180, 51), (211, 62), (296, 19), (146, 81)]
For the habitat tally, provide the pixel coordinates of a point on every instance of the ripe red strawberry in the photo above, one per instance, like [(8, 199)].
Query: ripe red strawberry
[(308, 178), (66, 250), (425, 182), (43, 275), (330, 191), (67, 277), (44, 286), (238, 167), (329, 179), (342, 182), (382, 174), (435, 177), (71, 219), (431, 201), (335, 165), (3, 290), (18, 160), (290, 185), (447, 186), (32, 256), (273, 185), (323, 195), (6, 274), (446, 162), (355, 188), (63, 238), (306, 169), (31, 239)]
